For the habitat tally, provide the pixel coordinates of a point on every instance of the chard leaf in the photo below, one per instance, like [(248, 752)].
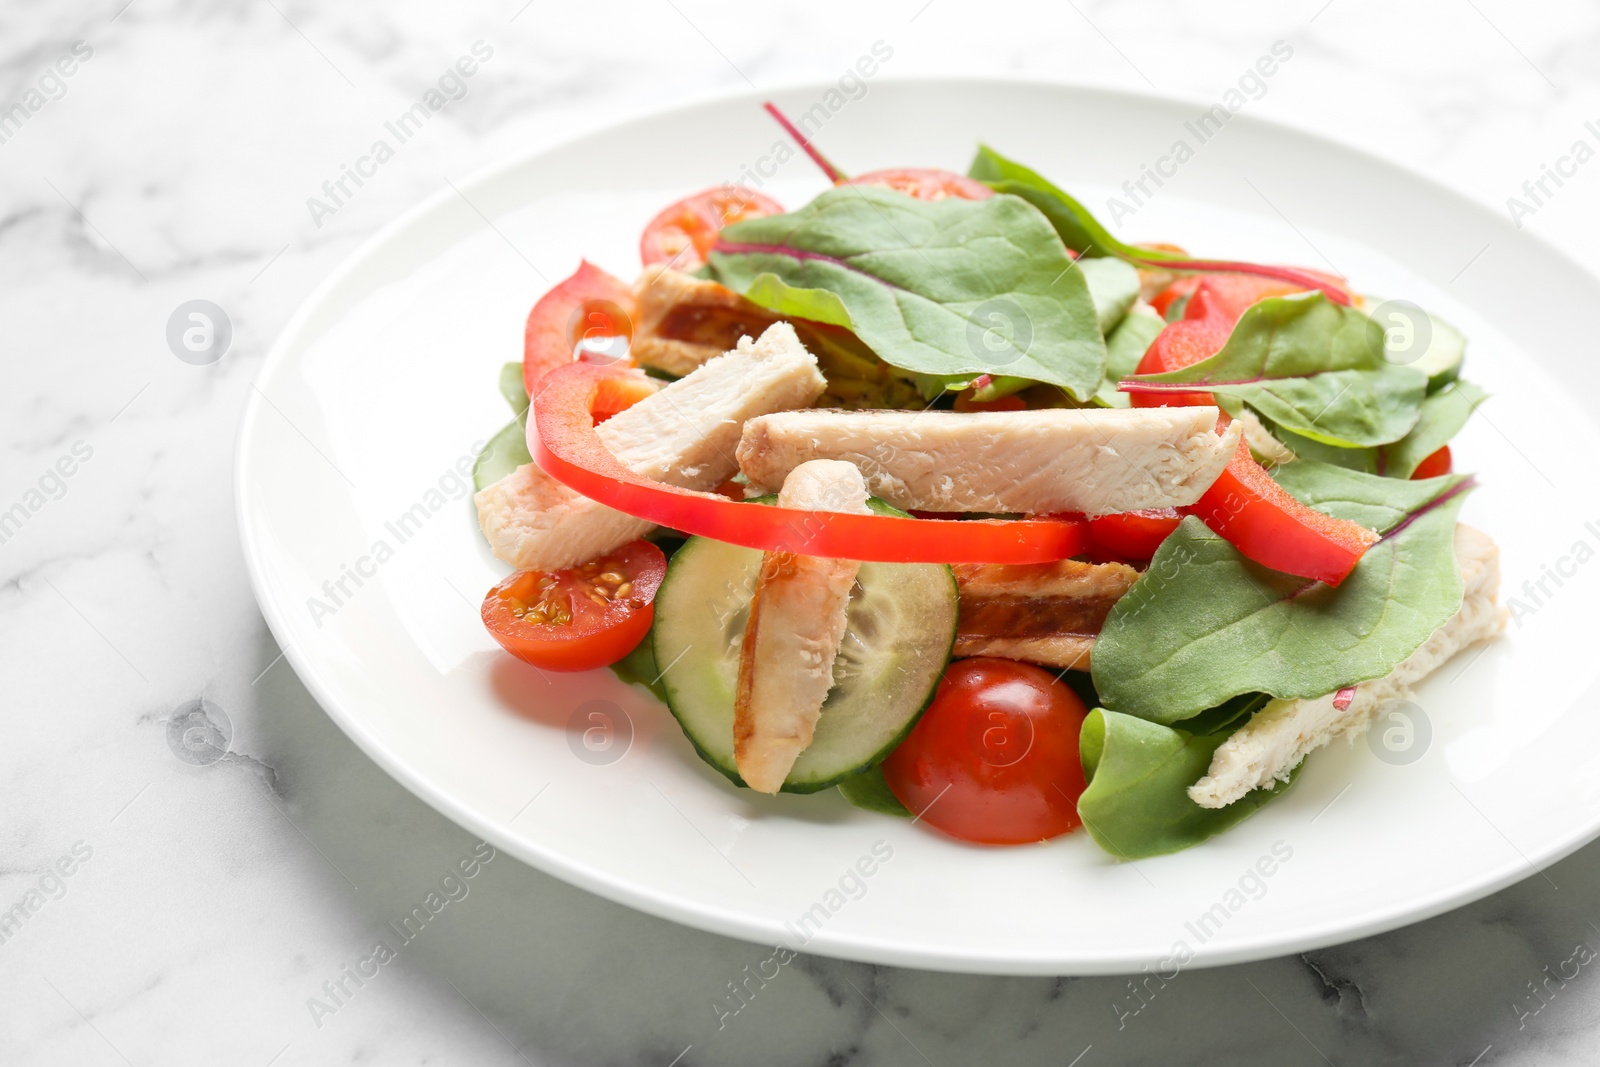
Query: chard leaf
[(1114, 288), (948, 287), (1125, 347), (1313, 367), (1137, 803), (1443, 415), (1204, 624), (1077, 226)]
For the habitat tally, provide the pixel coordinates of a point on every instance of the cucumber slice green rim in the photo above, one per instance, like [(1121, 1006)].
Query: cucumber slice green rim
[(901, 629)]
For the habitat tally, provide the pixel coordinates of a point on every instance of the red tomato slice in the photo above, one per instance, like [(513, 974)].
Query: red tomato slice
[(1133, 535), (1438, 463), (589, 305), (685, 232), (1268, 525), (925, 183), (994, 759), (578, 619)]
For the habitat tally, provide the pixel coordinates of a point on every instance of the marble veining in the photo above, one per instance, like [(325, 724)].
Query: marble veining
[(229, 910)]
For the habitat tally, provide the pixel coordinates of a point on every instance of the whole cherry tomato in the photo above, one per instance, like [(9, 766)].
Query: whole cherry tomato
[(994, 759)]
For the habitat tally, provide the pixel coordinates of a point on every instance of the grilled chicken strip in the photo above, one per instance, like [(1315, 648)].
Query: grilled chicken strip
[(1281, 734), (797, 621), (1090, 460), (684, 435), (683, 321), (1047, 613)]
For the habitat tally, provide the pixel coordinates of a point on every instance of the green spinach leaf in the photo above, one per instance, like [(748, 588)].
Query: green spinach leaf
[(514, 390), (1125, 347), (1313, 367), (1113, 286), (1443, 415), (639, 668), (1204, 624), (1137, 803), (933, 287), (1075, 223), (870, 792), (508, 448)]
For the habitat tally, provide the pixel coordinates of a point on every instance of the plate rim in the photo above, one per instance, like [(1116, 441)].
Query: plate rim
[(686, 910)]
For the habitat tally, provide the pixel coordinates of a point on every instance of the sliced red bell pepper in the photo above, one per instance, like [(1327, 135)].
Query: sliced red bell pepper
[(1232, 294), (589, 304), (1245, 505), (1266, 524), (1133, 535), (567, 448), (1200, 334)]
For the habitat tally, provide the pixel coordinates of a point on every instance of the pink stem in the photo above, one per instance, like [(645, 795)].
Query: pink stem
[(835, 175), (1287, 274)]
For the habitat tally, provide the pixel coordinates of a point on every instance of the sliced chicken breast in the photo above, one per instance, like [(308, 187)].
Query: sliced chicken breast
[(797, 621), (683, 321), (685, 435), (1281, 734), (1090, 460), (1046, 613)]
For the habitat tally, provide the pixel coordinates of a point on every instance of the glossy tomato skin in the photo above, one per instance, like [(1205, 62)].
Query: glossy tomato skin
[(925, 183), (683, 234), (994, 759), (581, 618)]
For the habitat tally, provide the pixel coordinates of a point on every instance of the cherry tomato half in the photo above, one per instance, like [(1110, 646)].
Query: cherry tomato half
[(1133, 535), (1437, 463), (925, 183), (994, 759), (581, 618), (684, 233)]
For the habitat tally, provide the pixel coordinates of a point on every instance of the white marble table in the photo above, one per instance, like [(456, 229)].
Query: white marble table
[(208, 903)]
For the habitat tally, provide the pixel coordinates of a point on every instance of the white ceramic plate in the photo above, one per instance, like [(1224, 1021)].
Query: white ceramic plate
[(383, 382)]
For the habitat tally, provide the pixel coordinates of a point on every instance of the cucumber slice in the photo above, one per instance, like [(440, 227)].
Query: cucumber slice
[(1445, 353), (1447, 346), (902, 624)]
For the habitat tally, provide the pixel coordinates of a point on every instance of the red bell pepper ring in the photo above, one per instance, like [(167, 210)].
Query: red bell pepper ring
[(588, 305), (1266, 524), (567, 448)]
